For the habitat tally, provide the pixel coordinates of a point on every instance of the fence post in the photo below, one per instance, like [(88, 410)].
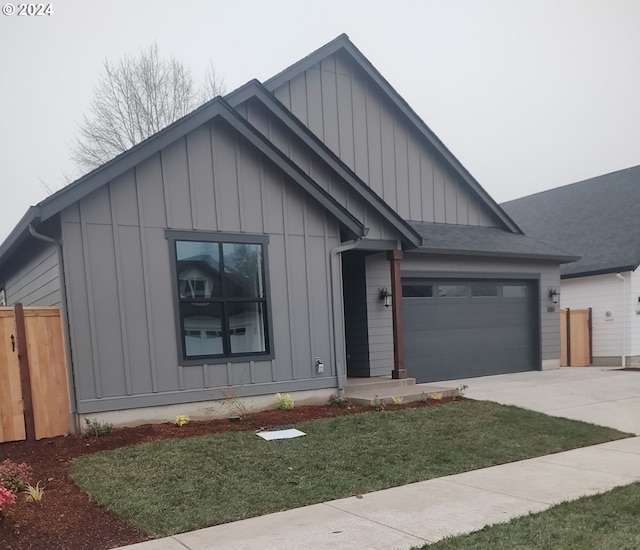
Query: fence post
[(590, 337), (25, 376), (568, 329)]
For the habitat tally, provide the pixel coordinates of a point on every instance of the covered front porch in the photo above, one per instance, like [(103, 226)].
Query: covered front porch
[(372, 293)]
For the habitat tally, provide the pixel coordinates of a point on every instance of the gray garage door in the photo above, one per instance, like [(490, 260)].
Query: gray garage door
[(464, 328)]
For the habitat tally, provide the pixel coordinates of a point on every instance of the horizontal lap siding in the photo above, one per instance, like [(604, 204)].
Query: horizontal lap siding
[(118, 262), (379, 317), (36, 280), (339, 103)]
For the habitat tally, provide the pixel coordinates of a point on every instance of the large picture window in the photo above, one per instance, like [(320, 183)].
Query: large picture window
[(221, 296)]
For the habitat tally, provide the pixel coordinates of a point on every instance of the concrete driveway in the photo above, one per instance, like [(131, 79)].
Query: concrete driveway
[(606, 396)]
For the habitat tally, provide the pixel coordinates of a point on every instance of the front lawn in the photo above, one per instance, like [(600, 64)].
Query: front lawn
[(172, 486), (601, 522)]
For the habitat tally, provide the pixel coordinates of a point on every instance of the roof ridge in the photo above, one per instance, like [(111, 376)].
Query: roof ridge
[(566, 185)]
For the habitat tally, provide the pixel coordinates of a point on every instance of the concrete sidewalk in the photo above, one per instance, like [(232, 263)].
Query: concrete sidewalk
[(411, 515)]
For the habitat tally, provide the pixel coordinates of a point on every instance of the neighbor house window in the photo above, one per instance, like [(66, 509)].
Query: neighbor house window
[(221, 296)]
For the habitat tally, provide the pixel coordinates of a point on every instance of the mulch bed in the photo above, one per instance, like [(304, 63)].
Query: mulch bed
[(66, 519)]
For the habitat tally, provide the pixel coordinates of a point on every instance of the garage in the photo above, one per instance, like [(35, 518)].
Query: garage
[(460, 328)]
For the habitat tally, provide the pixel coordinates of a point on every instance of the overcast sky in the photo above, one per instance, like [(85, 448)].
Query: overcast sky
[(528, 95)]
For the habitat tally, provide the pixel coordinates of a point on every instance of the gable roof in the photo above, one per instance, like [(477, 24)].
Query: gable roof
[(343, 44), (597, 219), (255, 90), (217, 107)]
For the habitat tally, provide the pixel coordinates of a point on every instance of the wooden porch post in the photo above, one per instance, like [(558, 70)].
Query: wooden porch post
[(395, 257), (25, 375)]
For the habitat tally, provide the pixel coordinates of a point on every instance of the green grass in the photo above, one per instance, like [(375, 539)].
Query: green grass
[(602, 522), (172, 486)]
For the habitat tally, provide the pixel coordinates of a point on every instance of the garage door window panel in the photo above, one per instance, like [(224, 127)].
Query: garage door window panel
[(484, 290), (417, 290), (453, 291), (514, 291)]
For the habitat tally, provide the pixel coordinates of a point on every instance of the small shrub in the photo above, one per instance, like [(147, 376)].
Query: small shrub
[(34, 494), (284, 402), (461, 389), (379, 404), (397, 399), (182, 419), (437, 395), (6, 497), (341, 402), (14, 476), (95, 428), (236, 405)]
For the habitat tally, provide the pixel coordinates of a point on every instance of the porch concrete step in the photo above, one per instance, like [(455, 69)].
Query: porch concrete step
[(408, 393), (377, 384)]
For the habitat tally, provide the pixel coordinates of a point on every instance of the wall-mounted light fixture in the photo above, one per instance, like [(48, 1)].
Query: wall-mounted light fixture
[(554, 295), (385, 297)]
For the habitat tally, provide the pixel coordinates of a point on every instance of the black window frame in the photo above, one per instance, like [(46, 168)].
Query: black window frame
[(175, 236)]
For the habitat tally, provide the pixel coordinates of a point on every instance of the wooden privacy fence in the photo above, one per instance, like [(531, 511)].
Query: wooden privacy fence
[(34, 390), (575, 338)]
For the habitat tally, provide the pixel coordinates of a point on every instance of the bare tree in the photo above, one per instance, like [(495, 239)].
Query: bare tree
[(135, 98), (212, 85)]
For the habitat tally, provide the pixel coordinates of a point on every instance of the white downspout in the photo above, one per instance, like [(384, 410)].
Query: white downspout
[(624, 320), (74, 425), (336, 308)]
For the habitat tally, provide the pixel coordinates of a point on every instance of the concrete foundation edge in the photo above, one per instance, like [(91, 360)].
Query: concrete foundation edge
[(616, 361), (550, 364), (203, 410)]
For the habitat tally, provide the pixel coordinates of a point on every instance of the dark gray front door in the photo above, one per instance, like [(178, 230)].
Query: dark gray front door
[(465, 328)]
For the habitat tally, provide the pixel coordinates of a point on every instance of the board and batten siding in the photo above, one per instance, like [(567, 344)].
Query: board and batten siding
[(337, 101), (272, 128), (548, 274), (36, 279), (604, 295), (118, 264)]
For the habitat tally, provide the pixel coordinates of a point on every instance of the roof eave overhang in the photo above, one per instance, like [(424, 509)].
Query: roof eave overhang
[(604, 271), (19, 234), (559, 259)]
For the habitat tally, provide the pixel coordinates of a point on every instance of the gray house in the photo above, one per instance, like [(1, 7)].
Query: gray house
[(285, 238)]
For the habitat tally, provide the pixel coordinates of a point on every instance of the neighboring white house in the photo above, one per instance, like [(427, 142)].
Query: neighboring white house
[(599, 220)]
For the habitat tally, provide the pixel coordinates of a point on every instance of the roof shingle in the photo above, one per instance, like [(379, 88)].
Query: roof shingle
[(441, 238), (597, 219)]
